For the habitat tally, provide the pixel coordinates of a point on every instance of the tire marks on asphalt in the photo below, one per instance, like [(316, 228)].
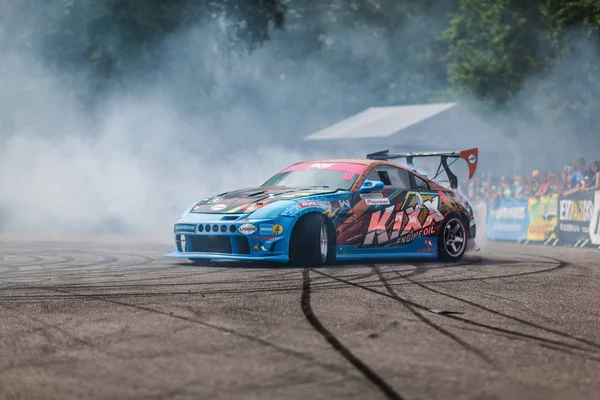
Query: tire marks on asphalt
[(312, 319), (557, 345), (411, 307)]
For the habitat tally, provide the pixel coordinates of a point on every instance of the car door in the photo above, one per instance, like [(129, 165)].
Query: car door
[(428, 202), (381, 225)]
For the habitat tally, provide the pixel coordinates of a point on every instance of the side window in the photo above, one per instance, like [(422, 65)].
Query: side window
[(421, 184), (392, 178), (379, 174)]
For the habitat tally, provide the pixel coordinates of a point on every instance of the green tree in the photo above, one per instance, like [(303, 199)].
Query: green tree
[(492, 50), (537, 59), (572, 38)]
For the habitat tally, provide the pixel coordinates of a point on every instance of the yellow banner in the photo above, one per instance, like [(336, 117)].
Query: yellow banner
[(542, 217)]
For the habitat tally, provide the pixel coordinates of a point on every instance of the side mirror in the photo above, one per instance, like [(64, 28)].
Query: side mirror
[(368, 186)]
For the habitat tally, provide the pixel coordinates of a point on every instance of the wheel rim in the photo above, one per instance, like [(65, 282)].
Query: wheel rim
[(454, 237), (323, 244)]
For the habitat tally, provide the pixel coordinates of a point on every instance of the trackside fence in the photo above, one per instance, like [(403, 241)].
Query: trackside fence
[(571, 220)]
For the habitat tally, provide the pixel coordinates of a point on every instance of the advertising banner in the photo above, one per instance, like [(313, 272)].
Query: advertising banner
[(508, 219), (542, 217), (595, 225), (575, 216)]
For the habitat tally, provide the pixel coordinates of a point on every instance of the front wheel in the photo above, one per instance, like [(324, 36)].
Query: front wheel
[(312, 243), (452, 240)]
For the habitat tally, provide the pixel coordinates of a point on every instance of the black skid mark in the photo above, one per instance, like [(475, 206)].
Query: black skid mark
[(425, 320), (389, 392)]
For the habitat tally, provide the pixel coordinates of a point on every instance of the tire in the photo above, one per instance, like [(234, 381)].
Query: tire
[(450, 245), (312, 243)]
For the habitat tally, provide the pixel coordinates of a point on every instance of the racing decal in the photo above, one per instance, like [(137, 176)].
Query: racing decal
[(252, 199), (321, 165), (401, 225), (270, 229), (185, 228), (395, 220), (343, 203), (377, 202), (428, 247), (356, 169), (372, 195), (334, 207), (312, 203), (247, 229), (265, 238)]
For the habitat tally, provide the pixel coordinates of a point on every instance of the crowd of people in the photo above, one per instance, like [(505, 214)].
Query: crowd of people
[(575, 177)]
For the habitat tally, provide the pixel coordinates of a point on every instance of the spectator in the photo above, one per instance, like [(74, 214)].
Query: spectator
[(571, 179), (576, 181), (535, 181), (566, 177), (592, 176), (551, 186), (505, 188), (527, 191), (518, 187)]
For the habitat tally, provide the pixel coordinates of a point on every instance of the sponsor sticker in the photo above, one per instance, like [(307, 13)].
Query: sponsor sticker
[(185, 228), (218, 207), (375, 195), (266, 229), (265, 238), (305, 204), (247, 229), (321, 166), (377, 202), (214, 200), (259, 247), (271, 229), (472, 158)]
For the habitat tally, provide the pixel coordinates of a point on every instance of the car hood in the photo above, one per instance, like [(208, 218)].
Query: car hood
[(251, 199)]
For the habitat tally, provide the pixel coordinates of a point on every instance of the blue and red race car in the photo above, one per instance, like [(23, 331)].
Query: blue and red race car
[(318, 212)]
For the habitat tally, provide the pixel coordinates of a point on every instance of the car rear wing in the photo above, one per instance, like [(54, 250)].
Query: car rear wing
[(471, 156)]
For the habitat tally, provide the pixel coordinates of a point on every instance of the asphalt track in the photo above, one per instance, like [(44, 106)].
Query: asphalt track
[(109, 318)]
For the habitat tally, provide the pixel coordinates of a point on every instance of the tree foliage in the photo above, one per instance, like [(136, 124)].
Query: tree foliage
[(512, 55), (110, 39), (500, 54)]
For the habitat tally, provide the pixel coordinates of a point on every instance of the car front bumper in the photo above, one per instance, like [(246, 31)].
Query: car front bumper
[(232, 237)]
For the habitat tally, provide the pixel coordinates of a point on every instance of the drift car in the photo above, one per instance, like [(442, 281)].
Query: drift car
[(317, 212)]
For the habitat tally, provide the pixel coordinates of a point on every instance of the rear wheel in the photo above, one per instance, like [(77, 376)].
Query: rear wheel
[(312, 242), (452, 240)]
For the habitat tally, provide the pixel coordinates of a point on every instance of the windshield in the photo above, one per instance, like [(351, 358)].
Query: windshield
[(329, 175)]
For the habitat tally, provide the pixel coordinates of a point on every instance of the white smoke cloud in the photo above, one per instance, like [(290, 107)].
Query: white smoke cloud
[(211, 118)]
